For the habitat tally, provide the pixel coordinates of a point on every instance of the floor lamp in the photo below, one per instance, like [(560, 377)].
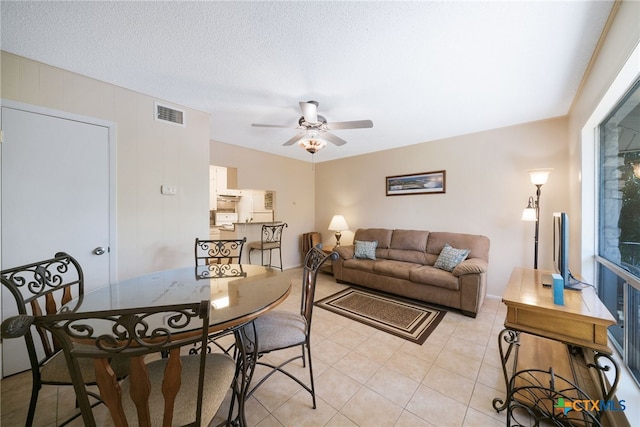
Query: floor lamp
[(538, 177)]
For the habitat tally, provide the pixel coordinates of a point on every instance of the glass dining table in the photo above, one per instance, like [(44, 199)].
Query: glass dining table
[(238, 294)]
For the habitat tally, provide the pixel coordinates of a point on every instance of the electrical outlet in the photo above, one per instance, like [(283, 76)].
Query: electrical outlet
[(169, 190)]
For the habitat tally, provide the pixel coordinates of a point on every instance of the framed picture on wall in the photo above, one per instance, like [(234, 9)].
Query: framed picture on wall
[(416, 183)]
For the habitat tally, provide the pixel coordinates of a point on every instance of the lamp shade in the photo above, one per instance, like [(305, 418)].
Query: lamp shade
[(338, 223), (529, 214), (539, 176), (636, 169)]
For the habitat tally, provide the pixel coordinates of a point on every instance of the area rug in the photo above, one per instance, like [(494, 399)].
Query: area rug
[(404, 318)]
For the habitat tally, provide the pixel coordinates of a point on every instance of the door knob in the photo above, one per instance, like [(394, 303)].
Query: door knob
[(99, 250)]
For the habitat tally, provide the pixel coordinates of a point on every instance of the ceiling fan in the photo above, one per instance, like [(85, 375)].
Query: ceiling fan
[(315, 129)]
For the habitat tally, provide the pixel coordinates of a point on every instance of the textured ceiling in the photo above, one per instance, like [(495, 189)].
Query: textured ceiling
[(419, 70)]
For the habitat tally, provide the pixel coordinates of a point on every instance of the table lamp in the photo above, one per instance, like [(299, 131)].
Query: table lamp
[(338, 224)]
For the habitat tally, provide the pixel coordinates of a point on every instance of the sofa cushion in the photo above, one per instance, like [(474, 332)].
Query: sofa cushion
[(365, 249), (450, 257), (415, 240), (359, 264), (408, 256), (398, 269), (428, 275), (381, 235)]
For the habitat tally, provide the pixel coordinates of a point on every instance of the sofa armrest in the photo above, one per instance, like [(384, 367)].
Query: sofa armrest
[(471, 266), (345, 252)]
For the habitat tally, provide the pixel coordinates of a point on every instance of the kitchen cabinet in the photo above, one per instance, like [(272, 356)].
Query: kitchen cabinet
[(220, 179)]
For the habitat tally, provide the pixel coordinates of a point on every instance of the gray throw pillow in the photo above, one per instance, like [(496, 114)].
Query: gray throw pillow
[(450, 257), (365, 249)]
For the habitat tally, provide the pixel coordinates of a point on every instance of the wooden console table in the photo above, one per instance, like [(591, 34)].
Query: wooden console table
[(582, 320), (558, 344)]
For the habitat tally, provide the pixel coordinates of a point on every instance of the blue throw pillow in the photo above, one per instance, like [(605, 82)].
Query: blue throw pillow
[(450, 257), (366, 249)]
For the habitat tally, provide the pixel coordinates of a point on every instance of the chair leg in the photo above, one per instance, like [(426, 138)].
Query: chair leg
[(280, 251), (313, 388), (304, 357), (32, 404)]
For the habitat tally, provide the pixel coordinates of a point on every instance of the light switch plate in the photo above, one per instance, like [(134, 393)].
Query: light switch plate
[(169, 190)]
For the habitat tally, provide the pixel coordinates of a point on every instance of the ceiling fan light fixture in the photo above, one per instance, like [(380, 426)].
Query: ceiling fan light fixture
[(312, 145), (311, 142)]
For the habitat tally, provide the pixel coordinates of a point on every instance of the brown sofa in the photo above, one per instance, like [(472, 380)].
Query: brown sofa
[(404, 265)]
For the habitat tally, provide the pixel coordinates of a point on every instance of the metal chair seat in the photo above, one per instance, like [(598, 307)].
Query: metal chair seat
[(55, 370), (278, 329), (263, 246)]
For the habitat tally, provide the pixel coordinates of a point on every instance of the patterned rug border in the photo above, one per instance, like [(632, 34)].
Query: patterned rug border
[(419, 332)]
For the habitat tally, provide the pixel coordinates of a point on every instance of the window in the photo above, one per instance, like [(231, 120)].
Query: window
[(619, 225)]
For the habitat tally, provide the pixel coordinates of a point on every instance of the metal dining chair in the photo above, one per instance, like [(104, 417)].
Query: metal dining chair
[(42, 288), (177, 390), (282, 329), (227, 251), (270, 239), (219, 255)]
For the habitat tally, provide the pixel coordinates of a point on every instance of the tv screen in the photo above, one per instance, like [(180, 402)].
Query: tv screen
[(561, 250)]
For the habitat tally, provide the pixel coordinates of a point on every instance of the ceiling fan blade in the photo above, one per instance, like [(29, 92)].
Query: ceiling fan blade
[(295, 139), (310, 111), (333, 139), (257, 125), (356, 124)]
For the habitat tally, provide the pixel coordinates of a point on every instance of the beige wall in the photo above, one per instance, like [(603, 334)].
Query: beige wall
[(154, 232), (292, 180), (487, 187)]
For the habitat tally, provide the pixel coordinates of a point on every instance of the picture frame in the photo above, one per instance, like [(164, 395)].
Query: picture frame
[(416, 183)]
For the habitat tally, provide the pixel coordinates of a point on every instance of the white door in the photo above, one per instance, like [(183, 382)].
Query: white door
[(56, 196)]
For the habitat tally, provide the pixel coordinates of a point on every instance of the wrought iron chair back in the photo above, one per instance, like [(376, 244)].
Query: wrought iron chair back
[(42, 288), (219, 271), (219, 251), (313, 261), (132, 334), (271, 238)]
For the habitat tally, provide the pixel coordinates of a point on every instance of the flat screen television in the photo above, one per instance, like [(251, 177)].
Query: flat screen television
[(561, 250)]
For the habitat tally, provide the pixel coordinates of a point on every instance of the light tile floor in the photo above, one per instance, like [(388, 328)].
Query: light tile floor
[(364, 377)]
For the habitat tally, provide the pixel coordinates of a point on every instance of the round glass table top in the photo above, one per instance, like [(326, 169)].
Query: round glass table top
[(237, 292)]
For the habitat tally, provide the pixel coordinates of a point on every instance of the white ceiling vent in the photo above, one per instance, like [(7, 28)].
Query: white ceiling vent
[(168, 114)]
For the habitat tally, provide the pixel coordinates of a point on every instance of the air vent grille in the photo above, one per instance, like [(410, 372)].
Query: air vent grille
[(171, 115)]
